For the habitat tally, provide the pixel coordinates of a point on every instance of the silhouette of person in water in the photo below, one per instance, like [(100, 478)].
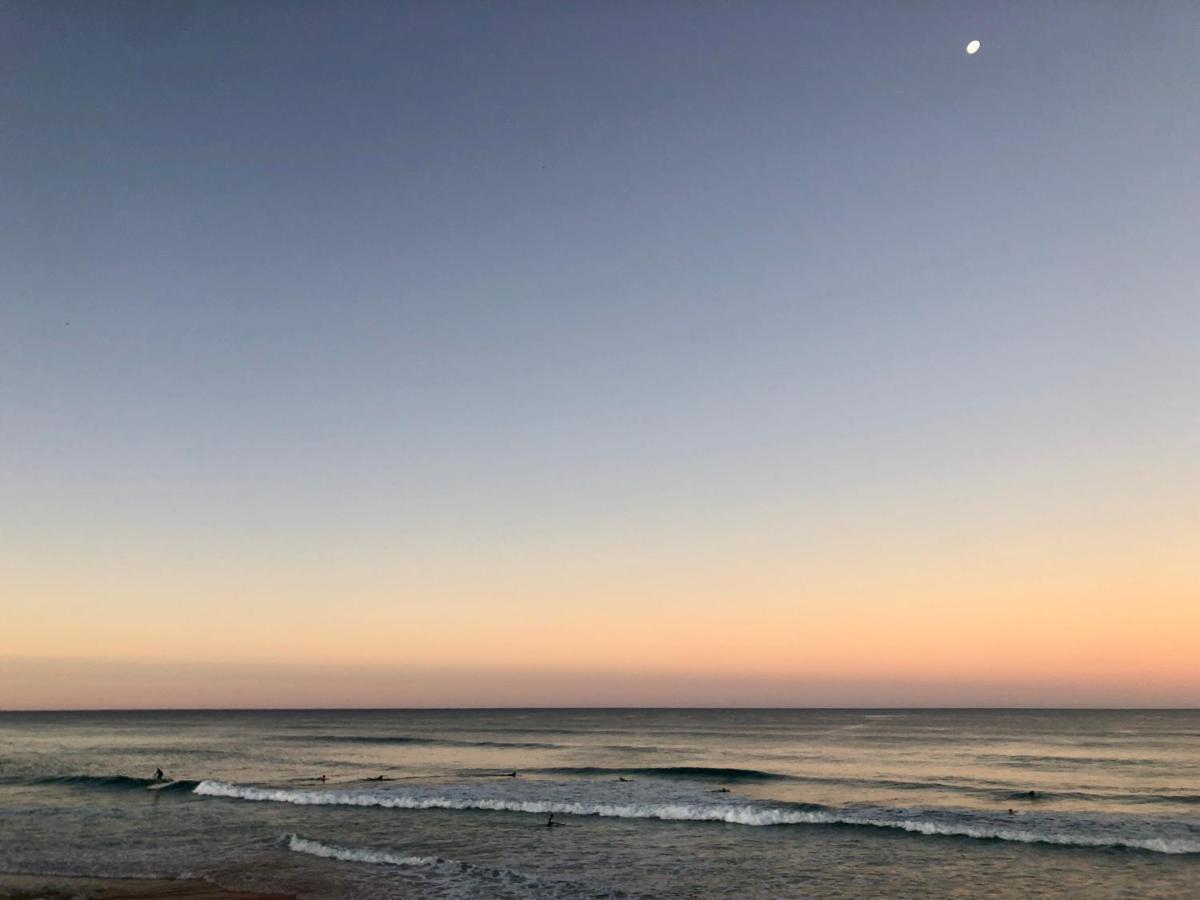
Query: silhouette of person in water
[(721, 791), (621, 778), (550, 823), (376, 778), (1011, 811), (159, 776), (323, 778)]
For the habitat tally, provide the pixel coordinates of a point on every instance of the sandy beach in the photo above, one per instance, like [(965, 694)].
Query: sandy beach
[(53, 887)]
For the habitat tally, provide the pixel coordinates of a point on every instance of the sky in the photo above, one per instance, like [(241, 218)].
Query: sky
[(599, 354)]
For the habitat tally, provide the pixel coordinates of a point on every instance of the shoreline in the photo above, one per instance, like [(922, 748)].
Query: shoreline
[(76, 887)]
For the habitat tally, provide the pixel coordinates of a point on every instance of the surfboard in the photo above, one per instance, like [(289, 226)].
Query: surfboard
[(159, 785)]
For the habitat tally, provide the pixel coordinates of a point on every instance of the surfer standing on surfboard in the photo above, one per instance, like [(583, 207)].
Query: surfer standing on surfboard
[(159, 776)]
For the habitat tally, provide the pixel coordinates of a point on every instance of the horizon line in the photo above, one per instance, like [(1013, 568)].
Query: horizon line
[(261, 709)]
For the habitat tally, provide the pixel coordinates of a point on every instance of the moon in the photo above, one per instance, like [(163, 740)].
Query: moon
[(972, 48)]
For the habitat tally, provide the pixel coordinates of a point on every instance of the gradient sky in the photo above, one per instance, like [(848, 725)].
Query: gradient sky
[(599, 354)]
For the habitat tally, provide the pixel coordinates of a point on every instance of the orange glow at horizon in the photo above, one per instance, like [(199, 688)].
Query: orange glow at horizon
[(1068, 600), (959, 618)]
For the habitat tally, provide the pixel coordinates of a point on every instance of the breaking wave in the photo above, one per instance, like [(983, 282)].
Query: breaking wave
[(977, 789), (944, 823), (347, 854), (448, 870)]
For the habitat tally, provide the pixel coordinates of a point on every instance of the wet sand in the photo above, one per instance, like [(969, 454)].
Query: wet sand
[(54, 887)]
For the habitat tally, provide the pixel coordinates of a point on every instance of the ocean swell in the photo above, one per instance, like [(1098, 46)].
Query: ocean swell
[(111, 782), (701, 773), (412, 740)]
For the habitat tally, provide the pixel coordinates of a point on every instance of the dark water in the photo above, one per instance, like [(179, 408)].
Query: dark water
[(677, 803)]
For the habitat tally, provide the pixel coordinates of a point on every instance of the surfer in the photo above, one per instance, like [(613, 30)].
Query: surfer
[(550, 823), (322, 778), (622, 778), (376, 778), (1011, 811), (510, 774), (721, 791), (159, 776)]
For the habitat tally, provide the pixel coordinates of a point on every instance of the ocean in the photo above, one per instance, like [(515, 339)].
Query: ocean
[(652, 803)]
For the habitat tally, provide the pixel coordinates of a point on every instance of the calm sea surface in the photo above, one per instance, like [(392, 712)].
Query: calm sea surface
[(678, 803)]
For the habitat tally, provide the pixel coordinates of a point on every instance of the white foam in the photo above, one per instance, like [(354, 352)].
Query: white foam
[(347, 854), (1072, 839), (733, 813), (450, 878)]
